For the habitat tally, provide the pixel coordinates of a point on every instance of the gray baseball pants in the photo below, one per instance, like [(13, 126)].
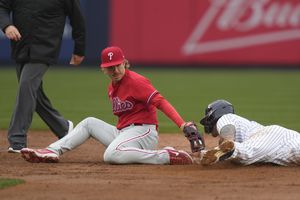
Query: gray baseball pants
[(30, 98)]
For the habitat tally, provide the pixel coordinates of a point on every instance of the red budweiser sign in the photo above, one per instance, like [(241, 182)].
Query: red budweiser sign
[(210, 31)]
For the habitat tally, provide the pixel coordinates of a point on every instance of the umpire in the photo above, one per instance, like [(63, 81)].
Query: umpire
[(35, 29)]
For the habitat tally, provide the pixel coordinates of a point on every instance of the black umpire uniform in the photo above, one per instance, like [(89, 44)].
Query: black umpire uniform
[(41, 25)]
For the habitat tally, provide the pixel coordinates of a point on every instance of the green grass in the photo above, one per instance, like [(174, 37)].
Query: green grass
[(5, 182), (266, 96)]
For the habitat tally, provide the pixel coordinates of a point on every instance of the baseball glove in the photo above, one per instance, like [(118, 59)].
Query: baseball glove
[(196, 140)]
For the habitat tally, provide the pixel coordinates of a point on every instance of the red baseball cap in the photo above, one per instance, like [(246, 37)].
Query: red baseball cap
[(112, 56)]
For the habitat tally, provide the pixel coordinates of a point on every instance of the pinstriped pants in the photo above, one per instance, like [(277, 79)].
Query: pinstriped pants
[(272, 144)]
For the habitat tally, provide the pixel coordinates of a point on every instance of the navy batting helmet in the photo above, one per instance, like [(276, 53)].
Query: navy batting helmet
[(213, 112)]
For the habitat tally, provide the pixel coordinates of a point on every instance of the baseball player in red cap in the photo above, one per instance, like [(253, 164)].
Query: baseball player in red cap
[(134, 139)]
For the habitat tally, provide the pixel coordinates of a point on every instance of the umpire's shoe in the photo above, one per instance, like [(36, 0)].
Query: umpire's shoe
[(12, 150), (219, 153), (39, 155)]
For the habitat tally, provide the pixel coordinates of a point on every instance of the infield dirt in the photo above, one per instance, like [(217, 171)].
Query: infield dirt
[(82, 174)]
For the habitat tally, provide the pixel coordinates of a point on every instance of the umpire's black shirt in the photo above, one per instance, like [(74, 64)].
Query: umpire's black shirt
[(41, 25)]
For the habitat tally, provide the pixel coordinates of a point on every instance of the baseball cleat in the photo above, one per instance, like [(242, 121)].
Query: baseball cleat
[(169, 148), (179, 157), (12, 150), (219, 153), (39, 155)]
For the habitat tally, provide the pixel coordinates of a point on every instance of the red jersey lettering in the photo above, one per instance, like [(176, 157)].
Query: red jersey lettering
[(131, 97), (134, 100)]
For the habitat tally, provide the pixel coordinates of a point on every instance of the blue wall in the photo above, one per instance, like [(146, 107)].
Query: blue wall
[(96, 16)]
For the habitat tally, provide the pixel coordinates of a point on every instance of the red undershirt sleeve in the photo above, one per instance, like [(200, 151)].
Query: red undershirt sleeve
[(162, 104)]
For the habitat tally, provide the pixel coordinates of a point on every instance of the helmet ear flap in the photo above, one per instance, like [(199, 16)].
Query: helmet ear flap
[(208, 129), (208, 123), (213, 112)]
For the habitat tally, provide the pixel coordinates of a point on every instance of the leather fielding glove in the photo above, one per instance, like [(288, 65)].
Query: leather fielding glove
[(196, 140)]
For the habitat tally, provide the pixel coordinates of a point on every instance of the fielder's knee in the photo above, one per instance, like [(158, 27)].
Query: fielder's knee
[(113, 157), (89, 119)]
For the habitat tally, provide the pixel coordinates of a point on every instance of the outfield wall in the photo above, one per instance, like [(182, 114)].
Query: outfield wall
[(207, 31), (189, 32)]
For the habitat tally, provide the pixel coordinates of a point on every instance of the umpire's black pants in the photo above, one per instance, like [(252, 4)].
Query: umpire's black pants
[(30, 98)]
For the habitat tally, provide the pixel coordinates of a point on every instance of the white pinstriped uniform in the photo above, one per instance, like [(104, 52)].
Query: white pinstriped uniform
[(257, 143)]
